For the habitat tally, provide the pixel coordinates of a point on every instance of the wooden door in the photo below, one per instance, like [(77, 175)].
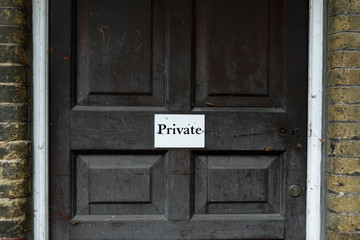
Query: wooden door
[(117, 63)]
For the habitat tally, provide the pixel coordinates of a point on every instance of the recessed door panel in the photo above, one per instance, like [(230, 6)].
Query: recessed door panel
[(120, 184), (239, 54), (234, 184), (120, 53)]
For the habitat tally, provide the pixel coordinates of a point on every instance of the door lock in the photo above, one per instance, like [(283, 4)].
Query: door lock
[(295, 191)]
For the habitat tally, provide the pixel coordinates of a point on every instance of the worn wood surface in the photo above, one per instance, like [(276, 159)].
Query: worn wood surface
[(116, 63)]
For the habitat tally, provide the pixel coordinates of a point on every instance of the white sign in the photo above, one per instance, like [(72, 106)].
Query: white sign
[(179, 131)]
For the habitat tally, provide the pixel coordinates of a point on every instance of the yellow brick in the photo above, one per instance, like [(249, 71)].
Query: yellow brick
[(14, 113), (14, 150), (344, 94), (345, 41), (13, 94), (13, 207), (14, 131), (14, 228), (344, 148), (344, 130), (343, 222), (344, 77), (14, 35), (14, 16), (14, 188), (344, 23), (332, 235), (344, 113), (344, 59), (14, 169), (343, 203), (14, 74), (346, 184), (14, 54), (343, 6), (340, 165), (15, 3)]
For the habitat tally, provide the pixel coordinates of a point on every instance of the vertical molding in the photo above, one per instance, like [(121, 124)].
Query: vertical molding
[(40, 119), (315, 121)]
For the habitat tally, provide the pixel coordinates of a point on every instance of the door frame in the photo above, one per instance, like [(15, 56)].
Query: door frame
[(315, 156)]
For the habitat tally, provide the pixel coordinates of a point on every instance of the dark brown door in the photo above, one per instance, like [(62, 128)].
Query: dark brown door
[(116, 63)]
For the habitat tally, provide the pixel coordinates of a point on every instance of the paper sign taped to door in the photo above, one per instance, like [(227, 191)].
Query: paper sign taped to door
[(179, 131)]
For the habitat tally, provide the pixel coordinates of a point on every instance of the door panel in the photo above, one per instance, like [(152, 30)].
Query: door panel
[(237, 184), (239, 53), (120, 41), (116, 63), (119, 184)]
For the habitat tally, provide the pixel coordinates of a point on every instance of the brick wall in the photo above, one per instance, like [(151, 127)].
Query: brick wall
[(14, 118), (343, 171)]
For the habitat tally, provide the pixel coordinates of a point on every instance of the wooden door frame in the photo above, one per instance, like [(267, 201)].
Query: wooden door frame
[(315, 156)]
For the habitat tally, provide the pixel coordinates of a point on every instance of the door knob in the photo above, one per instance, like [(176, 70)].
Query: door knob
[(295, 191)]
